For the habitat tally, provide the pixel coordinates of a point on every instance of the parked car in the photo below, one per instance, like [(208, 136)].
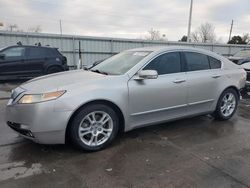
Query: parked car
[(241, 57), (246, 66), (135, 88), (30, 61)]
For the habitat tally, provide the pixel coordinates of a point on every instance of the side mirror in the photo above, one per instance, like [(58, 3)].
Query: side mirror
[(147, 74), (2, 56)]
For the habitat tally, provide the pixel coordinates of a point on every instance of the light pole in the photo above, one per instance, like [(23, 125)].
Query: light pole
[(231, 29), (190, 22)]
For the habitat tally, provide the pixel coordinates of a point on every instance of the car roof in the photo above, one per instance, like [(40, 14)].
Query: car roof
[(159, 49), (49, 47), (166, 48)]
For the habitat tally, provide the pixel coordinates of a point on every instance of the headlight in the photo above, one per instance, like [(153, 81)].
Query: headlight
[(35, 98)]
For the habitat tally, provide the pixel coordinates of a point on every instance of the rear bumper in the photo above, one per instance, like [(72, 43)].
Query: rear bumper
[(66, 67)]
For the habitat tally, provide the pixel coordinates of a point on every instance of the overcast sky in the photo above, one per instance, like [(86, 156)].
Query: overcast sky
[(126, 18)]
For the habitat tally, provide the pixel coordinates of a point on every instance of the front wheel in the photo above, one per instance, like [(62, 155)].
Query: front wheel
[(227, 105), (94, 127)]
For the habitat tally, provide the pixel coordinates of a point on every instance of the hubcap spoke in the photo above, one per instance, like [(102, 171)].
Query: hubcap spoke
[(91, 140), (107, 130), (82, 129), (105, 119), (230, 97), (223, 108), (85, 133)]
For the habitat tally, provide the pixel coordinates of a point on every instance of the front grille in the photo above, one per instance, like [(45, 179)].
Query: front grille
[(17, 127)]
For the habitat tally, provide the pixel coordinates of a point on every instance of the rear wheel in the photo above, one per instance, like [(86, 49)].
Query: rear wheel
[(227, 105), (54, 69), (94, 127)]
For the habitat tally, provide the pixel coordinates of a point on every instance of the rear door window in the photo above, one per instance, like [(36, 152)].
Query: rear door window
[(196, 61), (37, 53)]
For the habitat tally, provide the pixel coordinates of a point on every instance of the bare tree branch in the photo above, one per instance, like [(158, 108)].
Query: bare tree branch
[(36, 29), (205, 33), (155, 35)]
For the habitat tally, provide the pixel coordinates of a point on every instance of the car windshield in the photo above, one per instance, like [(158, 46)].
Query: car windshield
[(120, 63), (243, 53)]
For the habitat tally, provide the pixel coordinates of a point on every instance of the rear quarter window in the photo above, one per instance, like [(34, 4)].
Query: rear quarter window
[(214, 63)]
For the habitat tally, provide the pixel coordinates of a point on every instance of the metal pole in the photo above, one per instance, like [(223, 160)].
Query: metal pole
[(80, 57), (190, 22), (231, 29), (61, 27)]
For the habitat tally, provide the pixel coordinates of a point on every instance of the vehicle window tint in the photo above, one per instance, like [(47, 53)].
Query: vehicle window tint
[(214, 63), (39, 53), (196, 61), (166, 64), (14, 52)]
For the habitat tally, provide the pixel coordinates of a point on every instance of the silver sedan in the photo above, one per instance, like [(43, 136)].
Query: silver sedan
[(135, 88)]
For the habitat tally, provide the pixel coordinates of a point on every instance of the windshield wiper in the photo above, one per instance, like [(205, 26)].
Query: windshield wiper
[(100, 72)]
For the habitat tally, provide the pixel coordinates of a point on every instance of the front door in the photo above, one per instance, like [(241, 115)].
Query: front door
[(161, 99), (12, 62)]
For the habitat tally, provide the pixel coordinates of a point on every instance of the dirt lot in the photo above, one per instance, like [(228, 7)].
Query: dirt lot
[(196, 152)]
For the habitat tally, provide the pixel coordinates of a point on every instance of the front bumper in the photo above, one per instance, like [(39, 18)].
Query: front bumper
[(39, 122)]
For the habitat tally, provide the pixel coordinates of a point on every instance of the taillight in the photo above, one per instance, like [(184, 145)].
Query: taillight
[(64, 60)]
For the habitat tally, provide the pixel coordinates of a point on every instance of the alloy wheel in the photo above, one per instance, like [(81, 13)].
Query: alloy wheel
[(95, 128), (228, 104)]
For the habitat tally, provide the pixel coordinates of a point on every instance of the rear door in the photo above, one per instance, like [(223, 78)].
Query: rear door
[(12, 64), (36, 60), (202, 82)]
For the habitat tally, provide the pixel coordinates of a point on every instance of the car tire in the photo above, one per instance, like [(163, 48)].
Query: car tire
[(94, 127), (53, 69), (227, 105)]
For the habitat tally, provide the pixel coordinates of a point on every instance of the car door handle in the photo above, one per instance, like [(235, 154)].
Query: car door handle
[(216, 76), (177, 81)]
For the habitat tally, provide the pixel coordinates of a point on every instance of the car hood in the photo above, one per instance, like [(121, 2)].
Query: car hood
[(235, 58), (246, 66), (60, 80)]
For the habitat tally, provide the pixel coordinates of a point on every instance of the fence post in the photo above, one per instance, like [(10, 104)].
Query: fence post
[(27, 39), (73, 50), (111, 47), (229, 51)]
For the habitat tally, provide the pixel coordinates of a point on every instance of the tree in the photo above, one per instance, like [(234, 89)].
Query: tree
[(36, 29), (245, 39), (205, 33), (155, 35), (183, 39), (12, 27)]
